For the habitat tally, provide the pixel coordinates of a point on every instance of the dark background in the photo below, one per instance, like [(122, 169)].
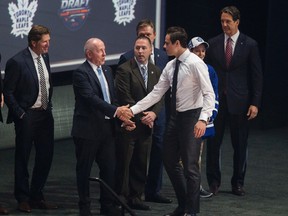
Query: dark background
[(264, 20)]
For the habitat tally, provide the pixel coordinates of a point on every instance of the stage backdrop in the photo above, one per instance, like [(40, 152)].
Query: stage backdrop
[(72, 22)]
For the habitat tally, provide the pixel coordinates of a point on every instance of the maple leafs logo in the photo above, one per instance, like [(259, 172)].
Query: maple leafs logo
[(22, 15), (124, 11)]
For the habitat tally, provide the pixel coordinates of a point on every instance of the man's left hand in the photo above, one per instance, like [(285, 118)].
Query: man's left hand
[(252, 112)]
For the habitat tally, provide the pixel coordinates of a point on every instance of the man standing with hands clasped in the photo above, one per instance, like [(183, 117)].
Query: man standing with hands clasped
[(134, 80), (159, 58), (235, 58), (192, 103)]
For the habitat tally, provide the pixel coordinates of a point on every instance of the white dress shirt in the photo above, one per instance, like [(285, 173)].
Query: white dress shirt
[(194, 89), (38, 102)]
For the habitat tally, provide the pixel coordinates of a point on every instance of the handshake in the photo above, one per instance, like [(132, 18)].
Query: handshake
[(124, 113)]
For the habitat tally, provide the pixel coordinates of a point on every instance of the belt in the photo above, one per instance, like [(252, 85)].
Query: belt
[(187, 112), (37, 109)]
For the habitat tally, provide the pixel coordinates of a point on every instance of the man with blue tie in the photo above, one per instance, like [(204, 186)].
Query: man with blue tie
[(134, 80), (155, 172), (93, 127)]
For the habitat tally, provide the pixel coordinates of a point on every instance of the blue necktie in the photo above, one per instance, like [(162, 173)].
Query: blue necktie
[(103, 84), (144, 74)]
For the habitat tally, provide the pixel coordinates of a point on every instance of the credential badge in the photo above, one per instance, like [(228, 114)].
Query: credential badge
[(22, 15), (124, 11)]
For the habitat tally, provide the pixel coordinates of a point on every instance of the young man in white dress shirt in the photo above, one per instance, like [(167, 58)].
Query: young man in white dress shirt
[(195, 100)]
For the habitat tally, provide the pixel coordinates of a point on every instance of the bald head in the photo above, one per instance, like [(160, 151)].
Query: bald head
[(94, 49)]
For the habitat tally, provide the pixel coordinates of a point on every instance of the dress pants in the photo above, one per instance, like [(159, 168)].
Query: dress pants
[(36, 127), (239, 128), (155, 171), (102, 151), (180, 143), (132, 154)]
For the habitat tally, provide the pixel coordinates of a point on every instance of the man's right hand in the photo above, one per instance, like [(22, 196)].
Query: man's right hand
[(124, 113)]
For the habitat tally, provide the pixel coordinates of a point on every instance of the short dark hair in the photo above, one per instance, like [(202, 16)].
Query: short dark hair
[(145, 38), (144, 23), (233, 11), (178, 33), (36, 32)]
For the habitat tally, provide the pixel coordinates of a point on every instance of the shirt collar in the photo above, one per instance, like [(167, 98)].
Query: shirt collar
[(233, 37), (34, 55), (184, 55), (94, 67), (139, 64)]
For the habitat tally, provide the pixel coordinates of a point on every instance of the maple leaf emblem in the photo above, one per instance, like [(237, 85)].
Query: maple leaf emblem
[(22, 15), (124, 11)]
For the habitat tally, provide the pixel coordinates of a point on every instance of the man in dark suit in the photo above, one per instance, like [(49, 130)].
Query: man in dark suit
[(154, 179), (93, 128), (236, 59), (27, 92), (3, 211), (134, 80)]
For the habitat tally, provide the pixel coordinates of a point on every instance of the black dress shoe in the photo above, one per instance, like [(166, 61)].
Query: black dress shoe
[(238, 190), (157, 198), (42, 204), (214, 189), (138, 204), (3, 211), (177, 212), (24, 207)]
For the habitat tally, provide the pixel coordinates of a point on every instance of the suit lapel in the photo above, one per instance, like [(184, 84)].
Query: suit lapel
[(31, 66), (152, 80), (94, 77), (137, 73), (221, 51), (156, 56), (238, 49), (109, 80)]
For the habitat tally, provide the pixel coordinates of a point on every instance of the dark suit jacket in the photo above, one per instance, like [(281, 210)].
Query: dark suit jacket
[(1, 119), (242, 81), (130, 86), (21, 84), (160, 56), (90, 107)]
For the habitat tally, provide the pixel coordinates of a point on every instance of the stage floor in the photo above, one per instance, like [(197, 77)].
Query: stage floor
[(266, 181)]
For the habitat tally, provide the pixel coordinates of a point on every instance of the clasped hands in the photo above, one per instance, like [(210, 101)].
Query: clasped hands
[(124, 113)]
